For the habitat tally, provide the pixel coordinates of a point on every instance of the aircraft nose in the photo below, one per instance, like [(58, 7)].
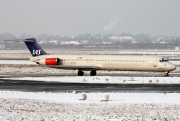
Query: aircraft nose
[(172, 67)]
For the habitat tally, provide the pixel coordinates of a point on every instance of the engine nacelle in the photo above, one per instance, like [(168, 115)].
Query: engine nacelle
[(49, 61)]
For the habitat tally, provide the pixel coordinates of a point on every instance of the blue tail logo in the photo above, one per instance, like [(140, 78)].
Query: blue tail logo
[(36, 52), (34, 47)]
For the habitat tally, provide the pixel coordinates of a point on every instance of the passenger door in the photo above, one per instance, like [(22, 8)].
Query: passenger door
[(155, 63)]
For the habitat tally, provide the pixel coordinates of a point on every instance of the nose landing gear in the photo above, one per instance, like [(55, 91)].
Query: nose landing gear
[(167, 73)]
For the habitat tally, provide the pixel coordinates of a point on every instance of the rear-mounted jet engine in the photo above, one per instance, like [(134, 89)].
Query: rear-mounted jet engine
[(49, 61)]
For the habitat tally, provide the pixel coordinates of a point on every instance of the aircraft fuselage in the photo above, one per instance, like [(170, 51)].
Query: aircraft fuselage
[(114, 62)]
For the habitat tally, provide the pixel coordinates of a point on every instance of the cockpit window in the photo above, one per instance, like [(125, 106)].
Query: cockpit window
[(163, 60)]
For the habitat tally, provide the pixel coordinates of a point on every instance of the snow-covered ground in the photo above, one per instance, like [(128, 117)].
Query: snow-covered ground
[(163, 98), (70, 106), (17, 62), (104, 79)]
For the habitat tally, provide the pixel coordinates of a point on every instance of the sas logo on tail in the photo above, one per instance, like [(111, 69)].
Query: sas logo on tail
[(36, 52)]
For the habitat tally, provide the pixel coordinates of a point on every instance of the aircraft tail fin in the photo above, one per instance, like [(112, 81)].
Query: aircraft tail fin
[(34, 47)]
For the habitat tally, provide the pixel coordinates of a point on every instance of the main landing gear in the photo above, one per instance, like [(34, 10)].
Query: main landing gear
[(166, 73), (81, 73), (93, 73)]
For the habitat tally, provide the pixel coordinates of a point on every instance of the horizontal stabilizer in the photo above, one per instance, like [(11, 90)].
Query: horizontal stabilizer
[(23, 40)]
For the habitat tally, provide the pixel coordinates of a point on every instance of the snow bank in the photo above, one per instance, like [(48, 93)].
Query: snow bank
[(169, 98)]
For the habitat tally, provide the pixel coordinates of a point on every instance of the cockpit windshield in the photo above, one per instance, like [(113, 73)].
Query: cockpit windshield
[(163, 60)]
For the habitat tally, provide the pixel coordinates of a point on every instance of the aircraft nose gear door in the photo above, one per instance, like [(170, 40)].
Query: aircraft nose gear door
[(155, 63)]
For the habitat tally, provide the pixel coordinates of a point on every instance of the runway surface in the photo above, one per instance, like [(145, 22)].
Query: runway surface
[(98, 74), (41, 86)]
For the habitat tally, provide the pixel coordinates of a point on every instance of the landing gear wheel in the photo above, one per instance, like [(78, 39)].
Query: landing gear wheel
[(167, 74), (93, 73), (80, 73)]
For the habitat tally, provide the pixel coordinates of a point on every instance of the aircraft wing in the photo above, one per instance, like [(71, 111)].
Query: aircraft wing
[(75, 67)]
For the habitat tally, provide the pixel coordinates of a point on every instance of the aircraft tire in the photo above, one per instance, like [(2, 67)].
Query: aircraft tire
[(167, 74), (93, 73), (80, 73)]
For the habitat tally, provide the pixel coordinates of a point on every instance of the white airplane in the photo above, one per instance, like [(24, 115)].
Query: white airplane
[(93, 63)]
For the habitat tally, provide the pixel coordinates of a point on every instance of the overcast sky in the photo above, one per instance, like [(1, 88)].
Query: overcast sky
[(73, 17)]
